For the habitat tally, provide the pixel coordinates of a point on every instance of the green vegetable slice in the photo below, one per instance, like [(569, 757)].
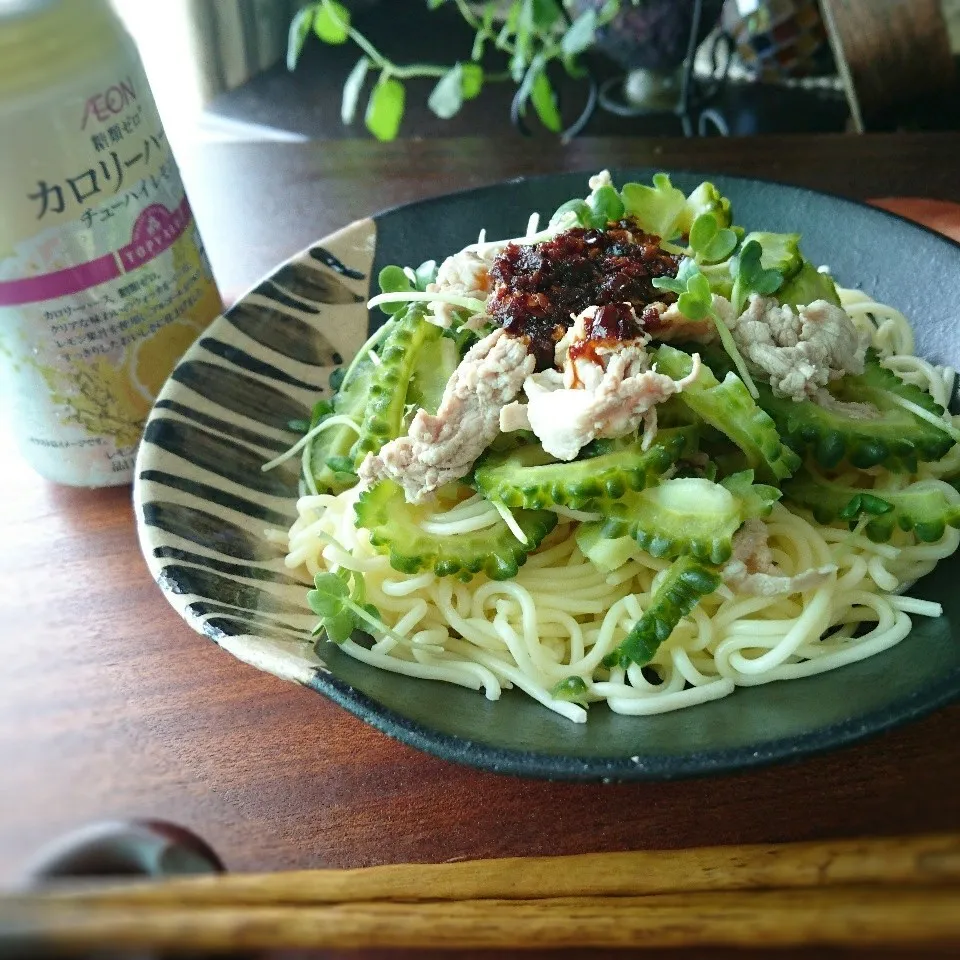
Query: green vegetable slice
[(387, 401), (897, 439), (685, 585), (729, 408), (528, 477), (808, 285), (435, 364), (689, 516), (923, 507), (395, 530), (330, 461)]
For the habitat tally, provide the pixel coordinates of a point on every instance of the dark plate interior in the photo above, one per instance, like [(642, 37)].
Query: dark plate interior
[(893, 260)]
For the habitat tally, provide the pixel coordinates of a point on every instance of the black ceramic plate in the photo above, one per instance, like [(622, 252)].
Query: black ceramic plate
[(203, 504)]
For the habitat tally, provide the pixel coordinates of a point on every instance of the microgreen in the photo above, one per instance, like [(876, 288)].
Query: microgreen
[(695, 302), (708, 243), (338, 600), (749, 276), (395, 279)]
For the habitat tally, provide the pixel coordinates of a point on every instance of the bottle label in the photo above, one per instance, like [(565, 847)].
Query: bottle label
[(103, 291)]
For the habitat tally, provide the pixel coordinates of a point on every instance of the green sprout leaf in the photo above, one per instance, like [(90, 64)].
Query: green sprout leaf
[(331, 22), (329, 592), (385, 108), (749, 276), (297, 37), (394, 279), (695, 302), (351, 90), (605, 206), (447, 96), (578, 208), (340, 609), (708, 242)]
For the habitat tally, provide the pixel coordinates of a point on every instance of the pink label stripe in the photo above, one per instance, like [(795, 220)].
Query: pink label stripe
[(61, 283), (155, 231)]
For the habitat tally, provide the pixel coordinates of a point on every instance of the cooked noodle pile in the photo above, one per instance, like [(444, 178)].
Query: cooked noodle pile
[(561, 615)]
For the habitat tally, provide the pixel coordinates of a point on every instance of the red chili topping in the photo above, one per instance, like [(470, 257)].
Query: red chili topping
[(610, 324), (539, 289)]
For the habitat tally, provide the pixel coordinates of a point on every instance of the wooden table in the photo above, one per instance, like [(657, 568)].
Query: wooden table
[(111, 706)]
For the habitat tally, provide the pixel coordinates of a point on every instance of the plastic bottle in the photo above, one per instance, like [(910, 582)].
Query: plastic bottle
[(103, 279)]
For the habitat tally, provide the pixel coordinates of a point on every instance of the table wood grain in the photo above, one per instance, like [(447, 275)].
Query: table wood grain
[(110, 706)]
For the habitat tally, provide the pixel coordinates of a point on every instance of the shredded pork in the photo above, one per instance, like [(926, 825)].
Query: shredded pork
[(441, 448), (751, 568), (608, 391), (798, 352)]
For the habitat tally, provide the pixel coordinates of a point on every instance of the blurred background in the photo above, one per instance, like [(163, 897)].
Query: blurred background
[(219, 68)]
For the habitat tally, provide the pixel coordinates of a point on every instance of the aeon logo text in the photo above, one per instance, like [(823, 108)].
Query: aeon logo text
[(113, 100)]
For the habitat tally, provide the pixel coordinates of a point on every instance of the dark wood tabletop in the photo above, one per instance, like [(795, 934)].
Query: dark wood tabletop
[(110, 706)]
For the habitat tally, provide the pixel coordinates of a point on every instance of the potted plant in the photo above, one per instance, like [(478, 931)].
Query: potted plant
[(534, 37)]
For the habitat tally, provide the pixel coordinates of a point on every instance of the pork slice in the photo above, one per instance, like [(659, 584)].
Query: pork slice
[(565, 420), (442, 447), (798, 352), (751, 568)]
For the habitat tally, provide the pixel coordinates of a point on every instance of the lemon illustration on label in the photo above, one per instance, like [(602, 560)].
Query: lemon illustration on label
[(151, 360)]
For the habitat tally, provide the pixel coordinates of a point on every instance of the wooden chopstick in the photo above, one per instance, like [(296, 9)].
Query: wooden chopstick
[(925, 859), (841, 916), (902, 890)]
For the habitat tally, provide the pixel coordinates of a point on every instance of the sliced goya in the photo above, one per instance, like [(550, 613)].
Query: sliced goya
[(530, 478), (687, 582), (897, 439), (433, 367), (728, 407), (689, 516), (330, 460), (395, 530), (384, 415), (925, 507)]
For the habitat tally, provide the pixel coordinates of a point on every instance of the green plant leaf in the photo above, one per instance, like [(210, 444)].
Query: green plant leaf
[(447, 96), (435, 4), (299, 31), (351, 90), (545, 14), (331, 22), (385, 108), (472, 77), (545, 103), (607, 12), (522, 50), (579, 36), (483, 33)]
